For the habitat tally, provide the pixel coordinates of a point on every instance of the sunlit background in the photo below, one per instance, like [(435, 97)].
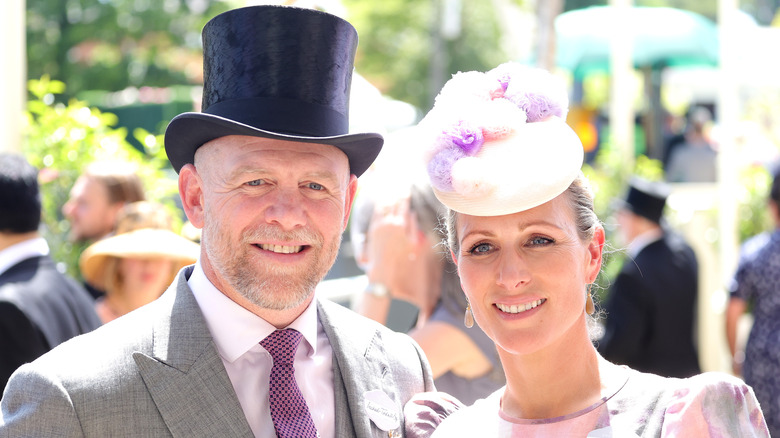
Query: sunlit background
[(106, 76)]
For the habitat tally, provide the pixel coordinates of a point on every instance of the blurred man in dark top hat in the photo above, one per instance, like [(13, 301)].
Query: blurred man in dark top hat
[(651, 306), (239, 345), (39, 307)]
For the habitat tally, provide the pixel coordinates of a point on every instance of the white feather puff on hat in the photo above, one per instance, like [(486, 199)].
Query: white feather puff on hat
[(497, 142)]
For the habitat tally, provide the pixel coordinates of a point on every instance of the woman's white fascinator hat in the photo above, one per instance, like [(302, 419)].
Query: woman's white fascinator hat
[(497, 142)]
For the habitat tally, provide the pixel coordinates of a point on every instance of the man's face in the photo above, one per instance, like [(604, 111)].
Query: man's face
[(89, 211), (272, 216)]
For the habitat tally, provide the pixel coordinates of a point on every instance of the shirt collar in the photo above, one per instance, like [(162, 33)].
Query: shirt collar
[(641, 241), (15, 253), (235, 329)]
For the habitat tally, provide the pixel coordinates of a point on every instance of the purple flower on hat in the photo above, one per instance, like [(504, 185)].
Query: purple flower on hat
[(537, 92), (538, 106), (464, 135), (478, 110), (440, 168), (504, 81)]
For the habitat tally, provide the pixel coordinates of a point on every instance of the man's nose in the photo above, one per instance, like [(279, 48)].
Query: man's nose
[(286, 209)]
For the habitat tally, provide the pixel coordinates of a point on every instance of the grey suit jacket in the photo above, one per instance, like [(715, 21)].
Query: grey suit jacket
[(157, 373)]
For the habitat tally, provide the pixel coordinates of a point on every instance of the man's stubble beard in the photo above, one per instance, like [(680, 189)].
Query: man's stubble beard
[(269, 287)]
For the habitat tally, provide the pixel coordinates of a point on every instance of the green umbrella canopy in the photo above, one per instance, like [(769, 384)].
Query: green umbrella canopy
[(661, 37)]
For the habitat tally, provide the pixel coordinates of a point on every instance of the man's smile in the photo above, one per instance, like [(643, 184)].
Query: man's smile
[(281, 249)]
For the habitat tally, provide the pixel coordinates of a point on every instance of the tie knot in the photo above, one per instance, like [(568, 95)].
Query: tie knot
[(282, 344)]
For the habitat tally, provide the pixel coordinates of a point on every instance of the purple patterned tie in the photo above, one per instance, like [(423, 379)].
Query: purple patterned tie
[(288, 408)]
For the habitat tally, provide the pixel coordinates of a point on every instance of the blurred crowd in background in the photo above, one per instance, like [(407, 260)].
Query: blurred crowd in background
[(97, 107)]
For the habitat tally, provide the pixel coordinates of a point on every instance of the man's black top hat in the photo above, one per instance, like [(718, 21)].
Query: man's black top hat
[(646, 198), (275, 72)]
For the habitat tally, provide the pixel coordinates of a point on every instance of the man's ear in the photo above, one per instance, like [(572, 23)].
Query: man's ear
[(349, 199), (191, 193)]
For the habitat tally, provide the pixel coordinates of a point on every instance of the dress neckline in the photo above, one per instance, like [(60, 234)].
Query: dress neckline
[(615, 389)]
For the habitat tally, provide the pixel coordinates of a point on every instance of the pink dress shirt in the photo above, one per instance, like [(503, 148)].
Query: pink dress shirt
[(237, 333)]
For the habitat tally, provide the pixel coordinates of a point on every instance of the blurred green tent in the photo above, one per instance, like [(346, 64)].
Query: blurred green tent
[(661, 36)]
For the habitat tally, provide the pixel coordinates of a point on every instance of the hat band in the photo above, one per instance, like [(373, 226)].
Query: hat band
[(283, 116)]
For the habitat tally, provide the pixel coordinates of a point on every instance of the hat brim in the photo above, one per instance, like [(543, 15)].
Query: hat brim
[(142, 243), (189, 131), (519, 172)]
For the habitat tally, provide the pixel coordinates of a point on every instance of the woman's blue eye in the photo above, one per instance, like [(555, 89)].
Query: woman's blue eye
[(540, 241), (480, 248)]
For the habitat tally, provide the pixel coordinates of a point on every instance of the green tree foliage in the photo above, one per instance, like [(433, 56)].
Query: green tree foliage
[(752, 196), (110, 45), (398, 41), (61, 140)]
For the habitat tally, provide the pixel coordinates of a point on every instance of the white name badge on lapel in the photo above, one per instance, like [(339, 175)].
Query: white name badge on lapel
[(382, 410)]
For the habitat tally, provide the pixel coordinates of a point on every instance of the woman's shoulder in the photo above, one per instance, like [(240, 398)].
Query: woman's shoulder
[(715, 402), (710, 402), (659, 385), (713, 379), (723, 388)]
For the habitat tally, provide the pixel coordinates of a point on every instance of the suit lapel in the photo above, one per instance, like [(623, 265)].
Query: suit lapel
[(359, 365), (185, 375)]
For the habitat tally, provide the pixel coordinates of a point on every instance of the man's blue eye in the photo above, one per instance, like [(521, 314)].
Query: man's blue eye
[(316, 186), (255, 182)]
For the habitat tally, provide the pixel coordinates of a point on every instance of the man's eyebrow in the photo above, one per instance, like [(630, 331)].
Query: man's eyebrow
[(244, 169), (317, 174), (322, 175)]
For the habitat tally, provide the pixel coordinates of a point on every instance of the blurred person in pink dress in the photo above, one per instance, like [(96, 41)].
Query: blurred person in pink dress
[(528, 247)]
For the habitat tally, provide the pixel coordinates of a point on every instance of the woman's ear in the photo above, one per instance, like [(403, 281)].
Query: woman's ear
[(595, 252)]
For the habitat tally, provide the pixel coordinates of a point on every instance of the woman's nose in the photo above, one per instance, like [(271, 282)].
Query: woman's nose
[(513, 271)]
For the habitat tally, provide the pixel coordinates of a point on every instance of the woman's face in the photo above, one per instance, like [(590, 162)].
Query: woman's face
[(150, 276), (532, 260)]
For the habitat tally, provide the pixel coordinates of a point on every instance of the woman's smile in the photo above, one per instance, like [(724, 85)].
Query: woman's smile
[(520, 308)]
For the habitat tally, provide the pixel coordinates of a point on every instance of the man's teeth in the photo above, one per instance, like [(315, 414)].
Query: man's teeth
[(283, 249), (520, 308)]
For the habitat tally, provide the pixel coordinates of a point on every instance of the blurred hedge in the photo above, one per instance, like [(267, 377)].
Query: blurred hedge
[(61, 140)]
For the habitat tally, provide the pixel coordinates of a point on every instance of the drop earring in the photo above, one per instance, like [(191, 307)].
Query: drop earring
[(590, 307), (468, 320)]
